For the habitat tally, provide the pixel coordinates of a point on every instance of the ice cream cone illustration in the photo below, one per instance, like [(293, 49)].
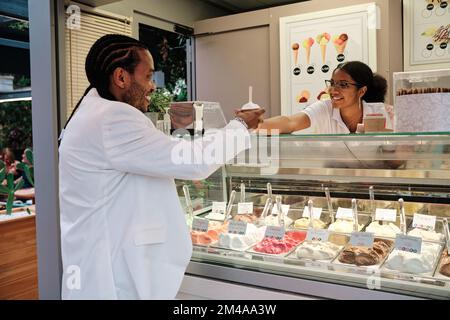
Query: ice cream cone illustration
[(295, 48), (307, 44), (340, 42), (303, 97), (323, 39)]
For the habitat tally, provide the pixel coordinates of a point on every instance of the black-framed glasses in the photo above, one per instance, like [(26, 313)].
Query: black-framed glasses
[(340, 84)]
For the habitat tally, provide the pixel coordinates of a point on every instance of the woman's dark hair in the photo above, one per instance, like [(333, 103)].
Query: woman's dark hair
[(363, 76), (106, 54)]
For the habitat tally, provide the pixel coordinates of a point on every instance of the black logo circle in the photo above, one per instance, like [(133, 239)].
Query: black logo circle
[(297, 71), (340, 57), (444, 4), (430, 6), (443, 45), (310, 70), (430, 47), (325, 69)]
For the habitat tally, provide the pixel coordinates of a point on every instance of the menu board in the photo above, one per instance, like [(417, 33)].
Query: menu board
[(314, 44), (429, 28)]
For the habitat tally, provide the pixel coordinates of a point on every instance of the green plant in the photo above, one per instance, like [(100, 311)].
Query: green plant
[(160, 100), (10, 187), (28, 168), (15, 125)]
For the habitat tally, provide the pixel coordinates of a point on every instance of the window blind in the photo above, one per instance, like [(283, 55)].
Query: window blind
[(77, 45)]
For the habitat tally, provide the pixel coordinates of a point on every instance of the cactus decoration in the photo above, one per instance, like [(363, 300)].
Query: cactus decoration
[(10, 186), (28, 168)]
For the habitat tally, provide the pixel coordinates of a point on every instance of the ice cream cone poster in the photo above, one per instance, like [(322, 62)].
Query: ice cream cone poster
[(312, 46), (340, 43)]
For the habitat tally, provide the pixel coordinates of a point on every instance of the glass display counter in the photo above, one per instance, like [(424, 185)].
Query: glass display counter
[(346, 178)]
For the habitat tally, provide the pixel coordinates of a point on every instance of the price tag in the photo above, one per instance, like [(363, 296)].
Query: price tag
[(274, 258), (200, 224), (386, 215), (274, 232), (219, 207), (284, 209), (317, 212), (321, 235), (237, 227), (344, 213), (408, 243), (245, 208), (362, 239), (423, 221)]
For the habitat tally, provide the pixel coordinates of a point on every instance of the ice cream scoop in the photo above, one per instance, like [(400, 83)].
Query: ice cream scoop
[(340, 42)]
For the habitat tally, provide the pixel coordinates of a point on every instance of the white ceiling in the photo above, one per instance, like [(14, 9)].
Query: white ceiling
[(237, 6)]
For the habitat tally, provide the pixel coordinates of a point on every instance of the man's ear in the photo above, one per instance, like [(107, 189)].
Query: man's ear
[(121, 78)]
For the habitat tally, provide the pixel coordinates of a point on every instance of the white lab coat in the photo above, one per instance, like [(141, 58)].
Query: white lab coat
[(123, 231)]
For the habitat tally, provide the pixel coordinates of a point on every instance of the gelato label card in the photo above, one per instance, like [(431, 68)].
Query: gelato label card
[(408, 243), (344, 213), (274, 258), (219, 207), (237, 227), (362, 239), (386, 214), (317, 212), (200, 224), (284, 208), (245, 208), (321, 235), (274, 232), (423, 221)]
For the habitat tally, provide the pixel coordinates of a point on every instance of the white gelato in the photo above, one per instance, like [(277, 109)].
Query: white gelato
[(413, 262), (272, 220), (215, 216), (426, 235), (383, 230), (317, 250), (342, 225), (252, 235), (303, 223)]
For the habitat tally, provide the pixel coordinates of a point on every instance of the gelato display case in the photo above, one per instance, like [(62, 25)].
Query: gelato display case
[(313, 198)]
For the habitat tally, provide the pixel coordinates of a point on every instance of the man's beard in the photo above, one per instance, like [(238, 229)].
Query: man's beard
[(136, 97)]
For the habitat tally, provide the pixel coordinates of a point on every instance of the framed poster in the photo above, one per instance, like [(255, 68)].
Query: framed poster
[(427, 32), (313, 44)]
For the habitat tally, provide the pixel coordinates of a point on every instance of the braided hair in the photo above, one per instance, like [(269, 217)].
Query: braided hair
[(363, 75), (106, 54)]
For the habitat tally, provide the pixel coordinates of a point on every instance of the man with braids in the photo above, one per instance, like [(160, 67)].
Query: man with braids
[(123, 232)]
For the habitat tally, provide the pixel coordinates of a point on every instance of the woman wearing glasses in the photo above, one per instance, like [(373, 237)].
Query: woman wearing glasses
[(354, 90)]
